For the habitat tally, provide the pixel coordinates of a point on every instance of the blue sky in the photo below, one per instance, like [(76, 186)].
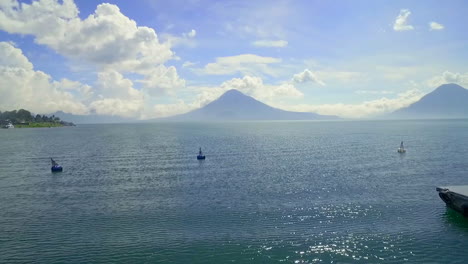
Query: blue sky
[(147, 59)]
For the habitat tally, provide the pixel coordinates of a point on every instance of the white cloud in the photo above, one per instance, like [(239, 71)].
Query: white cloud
[(79, 90), (254, 87), (188, 64), (41, 18), (401, 21), (247, 64), (307, 76), (186, 39), (23, 87), (13, 57), (162, 80), (117, 96), (435, 26), (270, 43), (449, 77), (112, 84), (365, 109), (192, 33), (117, 107), (106, 41), (107, 37)]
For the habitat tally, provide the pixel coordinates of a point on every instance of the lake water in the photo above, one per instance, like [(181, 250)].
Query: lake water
[(268, 192)]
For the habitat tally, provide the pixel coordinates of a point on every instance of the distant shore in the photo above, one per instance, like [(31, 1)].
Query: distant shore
[(42, 124), (24, 119)]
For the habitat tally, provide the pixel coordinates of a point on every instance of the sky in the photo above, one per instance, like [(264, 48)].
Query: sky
[(156, 58)]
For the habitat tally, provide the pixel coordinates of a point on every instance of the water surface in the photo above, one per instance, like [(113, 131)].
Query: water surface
[(268, 192)]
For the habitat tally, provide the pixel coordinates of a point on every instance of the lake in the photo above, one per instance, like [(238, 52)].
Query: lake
[(268, 192)]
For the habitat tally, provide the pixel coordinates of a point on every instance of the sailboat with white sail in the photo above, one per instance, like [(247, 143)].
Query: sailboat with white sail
[(401, 149)]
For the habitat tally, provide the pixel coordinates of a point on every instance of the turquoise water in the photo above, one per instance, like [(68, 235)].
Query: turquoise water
[(268, 192)]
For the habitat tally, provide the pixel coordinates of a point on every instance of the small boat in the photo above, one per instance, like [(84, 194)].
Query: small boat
[(9, 125), (200, 155), (55, 166), (455, 197), (401, 149)]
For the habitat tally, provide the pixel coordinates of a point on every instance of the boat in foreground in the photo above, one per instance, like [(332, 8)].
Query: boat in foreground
[(456, 197), (55, 166)]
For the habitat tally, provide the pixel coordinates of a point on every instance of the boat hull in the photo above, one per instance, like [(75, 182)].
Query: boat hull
[(200, 157), (456, 201), (56, 169)]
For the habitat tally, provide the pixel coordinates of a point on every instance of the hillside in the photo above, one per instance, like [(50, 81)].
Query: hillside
[(447, 101), (234, 105)]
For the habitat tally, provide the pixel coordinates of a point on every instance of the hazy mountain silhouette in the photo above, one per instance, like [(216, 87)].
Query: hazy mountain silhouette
[(447, 101), (92, 119), (234, 105)]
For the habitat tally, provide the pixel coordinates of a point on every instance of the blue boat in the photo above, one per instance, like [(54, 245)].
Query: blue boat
[(200, 155), (55, 166)]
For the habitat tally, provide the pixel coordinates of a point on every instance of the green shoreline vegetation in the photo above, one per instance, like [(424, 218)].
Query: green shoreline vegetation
[(24, 119)]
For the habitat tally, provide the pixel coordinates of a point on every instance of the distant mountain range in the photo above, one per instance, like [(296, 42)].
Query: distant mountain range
[(92, 119), (234, 105), (447, 101)]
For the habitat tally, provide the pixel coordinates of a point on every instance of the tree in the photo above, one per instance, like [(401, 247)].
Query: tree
[(23, 115)]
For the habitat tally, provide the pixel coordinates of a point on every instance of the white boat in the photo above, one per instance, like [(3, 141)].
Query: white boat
[(401, 149), (9, 125)]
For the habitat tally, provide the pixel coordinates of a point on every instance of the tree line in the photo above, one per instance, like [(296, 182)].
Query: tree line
[(24, 116)]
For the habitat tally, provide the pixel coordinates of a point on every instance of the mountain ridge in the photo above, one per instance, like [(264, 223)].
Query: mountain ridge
[(446, 101), (234, 105)]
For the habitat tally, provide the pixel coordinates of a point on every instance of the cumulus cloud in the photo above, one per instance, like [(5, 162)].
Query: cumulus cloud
[(23, 87), (117, 107), (162, 79), (449, 77), (247, 64), (270, 43), (13, 57), (106, 40), (435, 26), (112, 84), (365, 109), (107, 37), (401, 21), (307, 76)]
